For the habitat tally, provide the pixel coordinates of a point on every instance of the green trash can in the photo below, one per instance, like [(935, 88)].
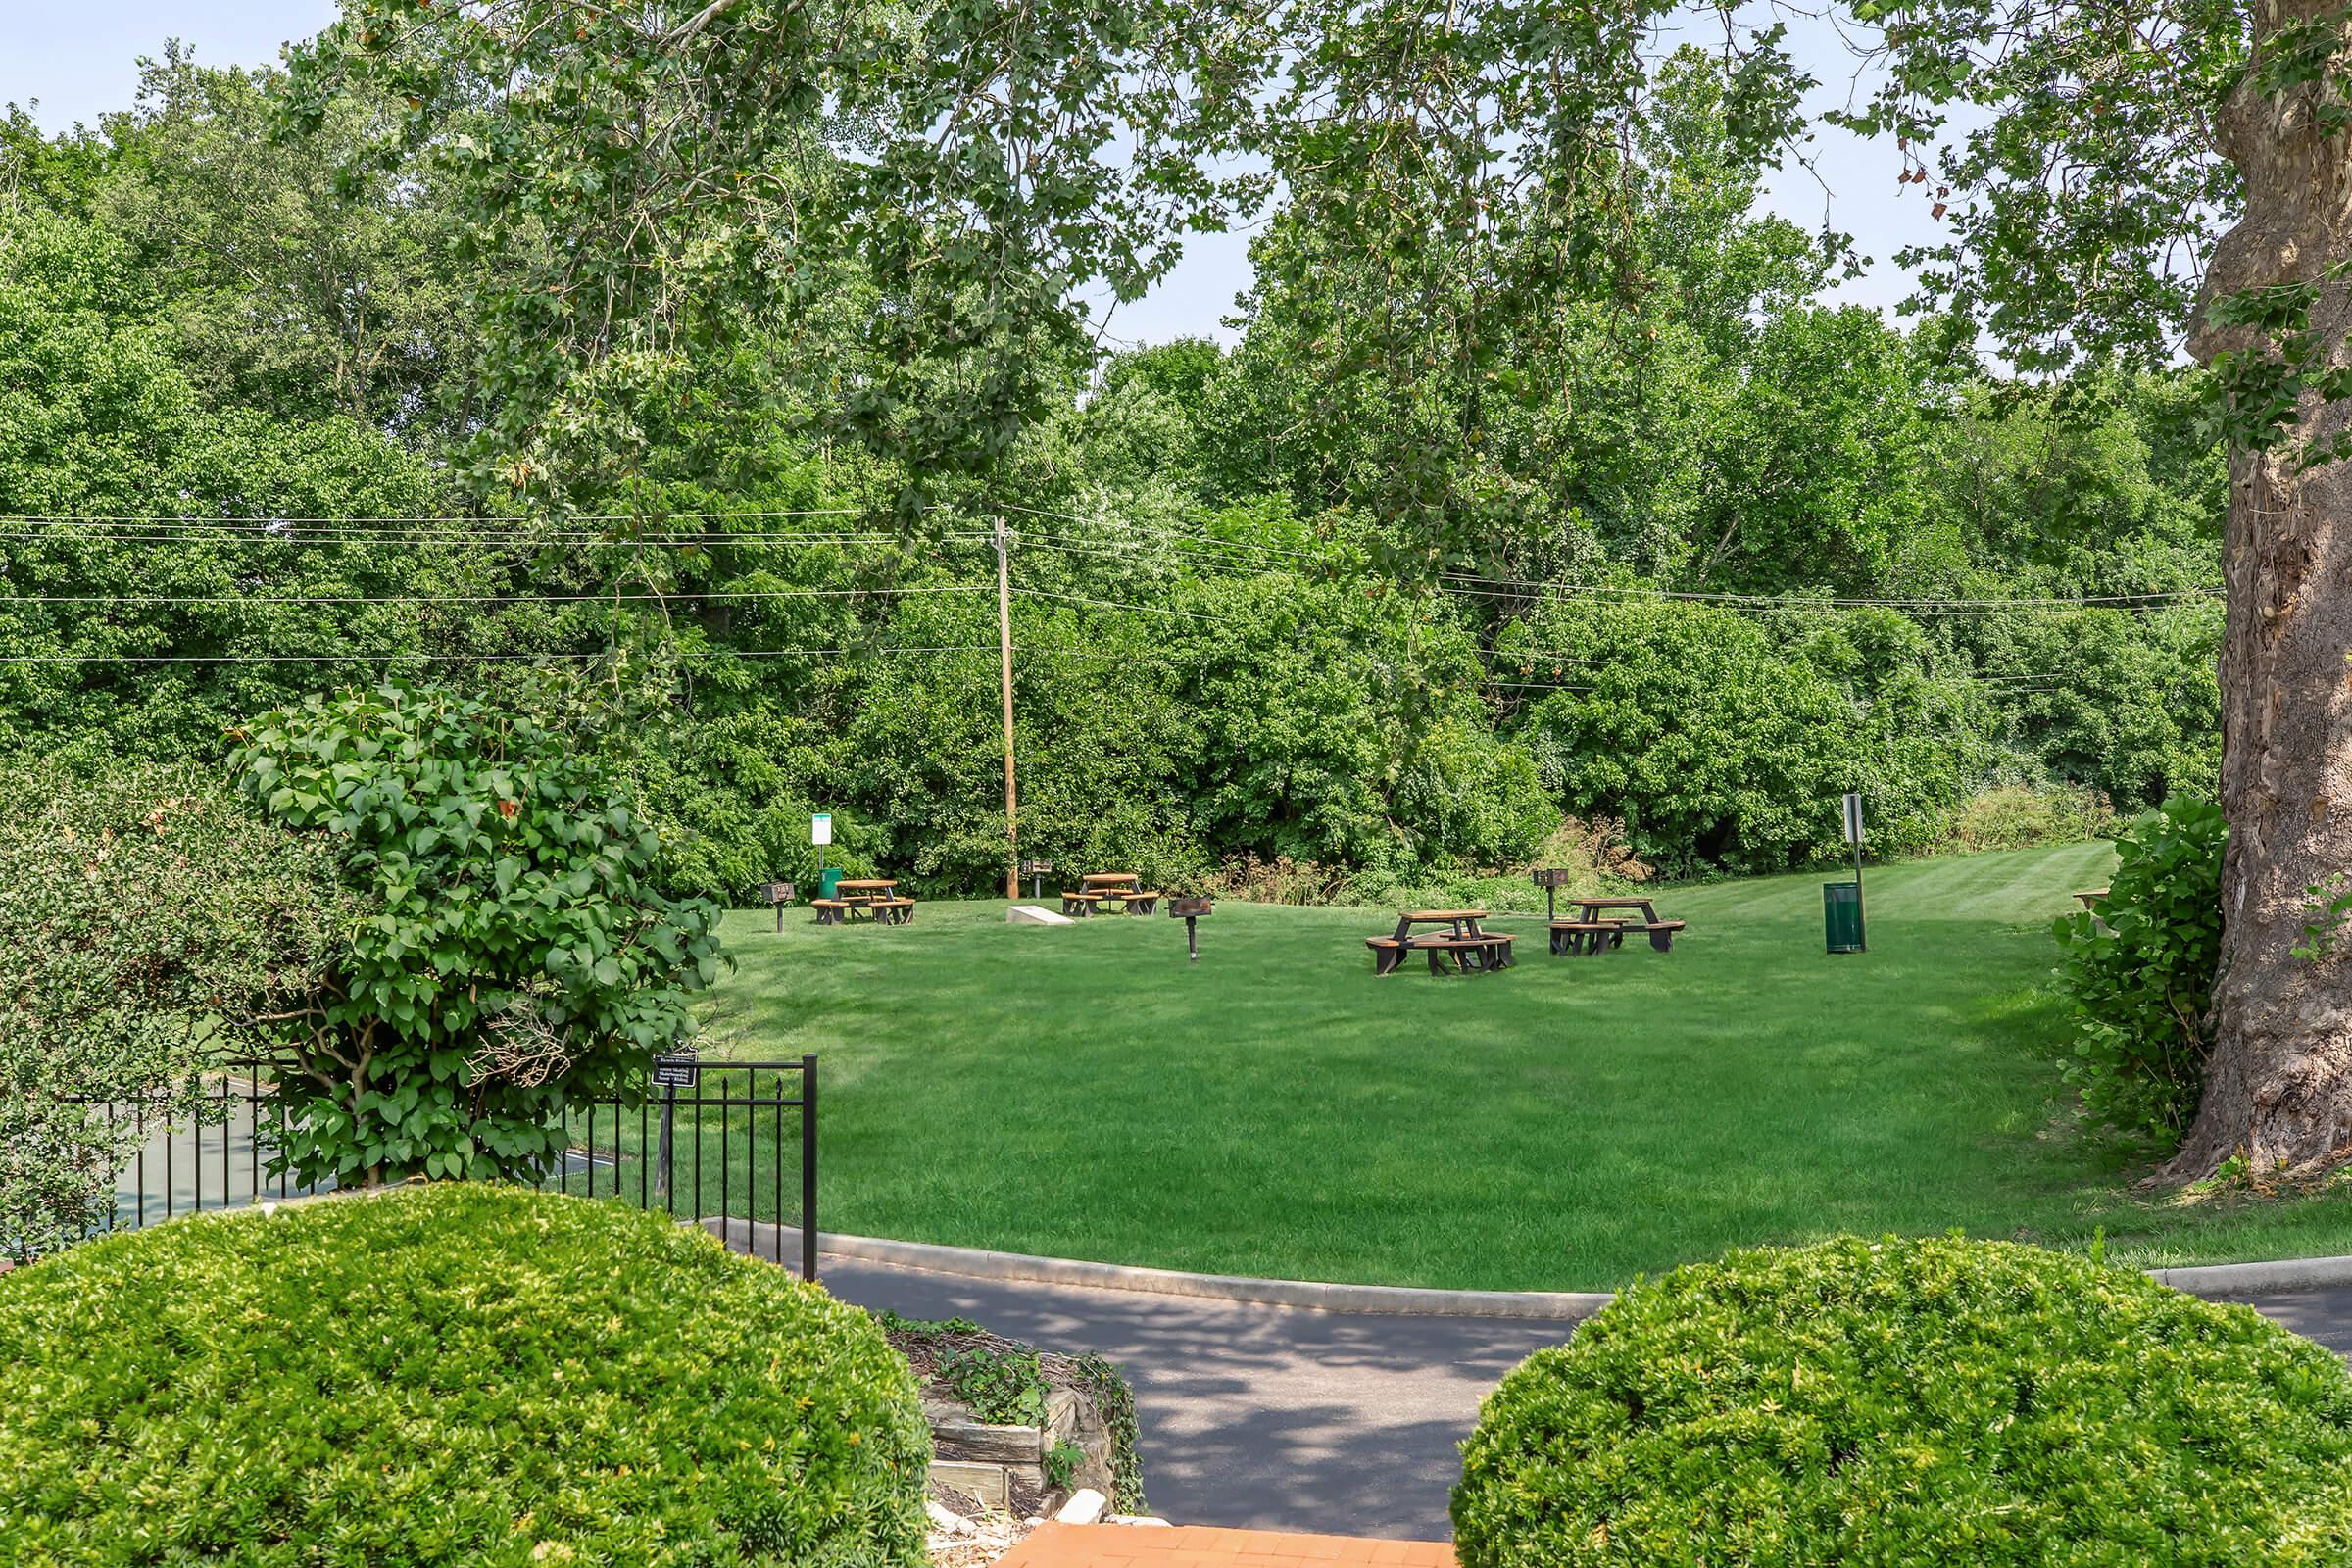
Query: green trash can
[(1841, 916), (828, 882)]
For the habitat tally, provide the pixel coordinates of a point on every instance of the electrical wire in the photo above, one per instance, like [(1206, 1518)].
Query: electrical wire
[(675, 596), (349, 657)]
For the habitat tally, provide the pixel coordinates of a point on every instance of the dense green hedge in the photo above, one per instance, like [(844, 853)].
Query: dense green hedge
[(447, 1375), (1913, 1402), (2140, 973)]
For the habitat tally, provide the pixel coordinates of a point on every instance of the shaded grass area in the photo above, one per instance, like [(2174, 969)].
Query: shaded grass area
[(1565, 1124)]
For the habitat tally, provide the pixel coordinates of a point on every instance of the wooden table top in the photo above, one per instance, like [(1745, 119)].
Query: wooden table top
[(1109, 877), (1614, 903), (869, 884), (1449, 917)]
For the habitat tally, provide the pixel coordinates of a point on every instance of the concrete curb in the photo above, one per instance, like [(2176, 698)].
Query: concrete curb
[(2259, 1279), (1567, 1306), (2216, 1280)]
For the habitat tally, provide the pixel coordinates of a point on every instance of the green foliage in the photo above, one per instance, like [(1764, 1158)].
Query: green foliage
[(2138, 972), (515, 957), (1114, 1397), (1722, 743), (1003, 1388), (1061, 1463), (1912, 1402), (1004, 1380), (2026, 816), (949, 173), (2331, 912), (453, 1375), (149, 926), (1364, 541)]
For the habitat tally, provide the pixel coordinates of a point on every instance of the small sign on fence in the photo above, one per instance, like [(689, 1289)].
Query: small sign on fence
[(674, 1072)]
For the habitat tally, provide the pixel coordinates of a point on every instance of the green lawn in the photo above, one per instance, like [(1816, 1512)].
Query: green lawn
[(1274, 1109)]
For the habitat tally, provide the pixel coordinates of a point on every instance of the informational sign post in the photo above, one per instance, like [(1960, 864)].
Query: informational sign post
[(670, 1074), (820, 828), (1853, 836)]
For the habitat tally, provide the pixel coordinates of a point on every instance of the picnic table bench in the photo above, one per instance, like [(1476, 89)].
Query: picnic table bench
[(2091, 897), (877, 898), (1123, 887), (1588, 933), (1469, 948)]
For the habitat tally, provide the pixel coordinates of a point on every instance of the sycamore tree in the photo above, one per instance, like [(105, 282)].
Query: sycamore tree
[(2152, 177), (905, 205)]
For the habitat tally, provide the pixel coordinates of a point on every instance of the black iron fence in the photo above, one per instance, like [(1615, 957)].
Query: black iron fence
[(724, 1144)]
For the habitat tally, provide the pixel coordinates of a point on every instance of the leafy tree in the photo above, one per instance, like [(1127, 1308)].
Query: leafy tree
[(683, 183), (1721, 744), (512, 957), (150, 927), (291, 288), (2086, 208)]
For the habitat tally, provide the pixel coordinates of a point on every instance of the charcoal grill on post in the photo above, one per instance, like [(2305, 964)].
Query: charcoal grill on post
[(1551, 882), (1191, 910)]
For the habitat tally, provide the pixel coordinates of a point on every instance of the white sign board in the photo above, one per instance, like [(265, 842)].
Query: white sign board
[(820, 828), (1853, 819)]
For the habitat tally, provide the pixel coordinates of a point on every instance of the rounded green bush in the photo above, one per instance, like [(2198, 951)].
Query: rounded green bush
[(447, 1375), (1913, 1402)]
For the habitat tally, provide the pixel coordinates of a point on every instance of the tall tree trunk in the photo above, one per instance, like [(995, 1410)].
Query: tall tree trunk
[(2279, 1085)]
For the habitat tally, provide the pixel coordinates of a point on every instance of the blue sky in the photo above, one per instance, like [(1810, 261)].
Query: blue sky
[(78, 60)]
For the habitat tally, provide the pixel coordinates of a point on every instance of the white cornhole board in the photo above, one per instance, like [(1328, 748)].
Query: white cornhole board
[(1032, 914)]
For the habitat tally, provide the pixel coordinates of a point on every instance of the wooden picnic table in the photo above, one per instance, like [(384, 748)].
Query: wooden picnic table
[(1594, 907), (1461, 923), (1463, 940), (1588, 933), (2091, 897), (877, 896), (1097, 888)]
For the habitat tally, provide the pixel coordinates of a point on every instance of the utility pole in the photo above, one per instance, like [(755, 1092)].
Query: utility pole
[(1012, 832)]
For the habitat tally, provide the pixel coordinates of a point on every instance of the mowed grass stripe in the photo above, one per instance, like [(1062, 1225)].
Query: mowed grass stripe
[(1275, 1109)]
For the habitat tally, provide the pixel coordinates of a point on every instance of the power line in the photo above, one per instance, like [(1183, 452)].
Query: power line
[(283, 537), (1628, 593), (184, 518), (1162, 533), (1114, 604), (519, 599), (351, 656)]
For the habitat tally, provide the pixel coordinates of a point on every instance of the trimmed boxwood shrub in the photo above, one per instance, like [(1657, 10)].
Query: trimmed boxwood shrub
[(448, 1375), (1913, 1402)]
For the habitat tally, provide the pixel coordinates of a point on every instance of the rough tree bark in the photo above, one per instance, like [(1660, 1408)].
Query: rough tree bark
[(2280, 1084)]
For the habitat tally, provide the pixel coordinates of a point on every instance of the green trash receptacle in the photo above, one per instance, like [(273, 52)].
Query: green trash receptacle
[(1841, 916), (828, 882)]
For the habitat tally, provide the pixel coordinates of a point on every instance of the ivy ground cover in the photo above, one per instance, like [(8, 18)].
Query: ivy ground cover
[(1567, 1124)]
